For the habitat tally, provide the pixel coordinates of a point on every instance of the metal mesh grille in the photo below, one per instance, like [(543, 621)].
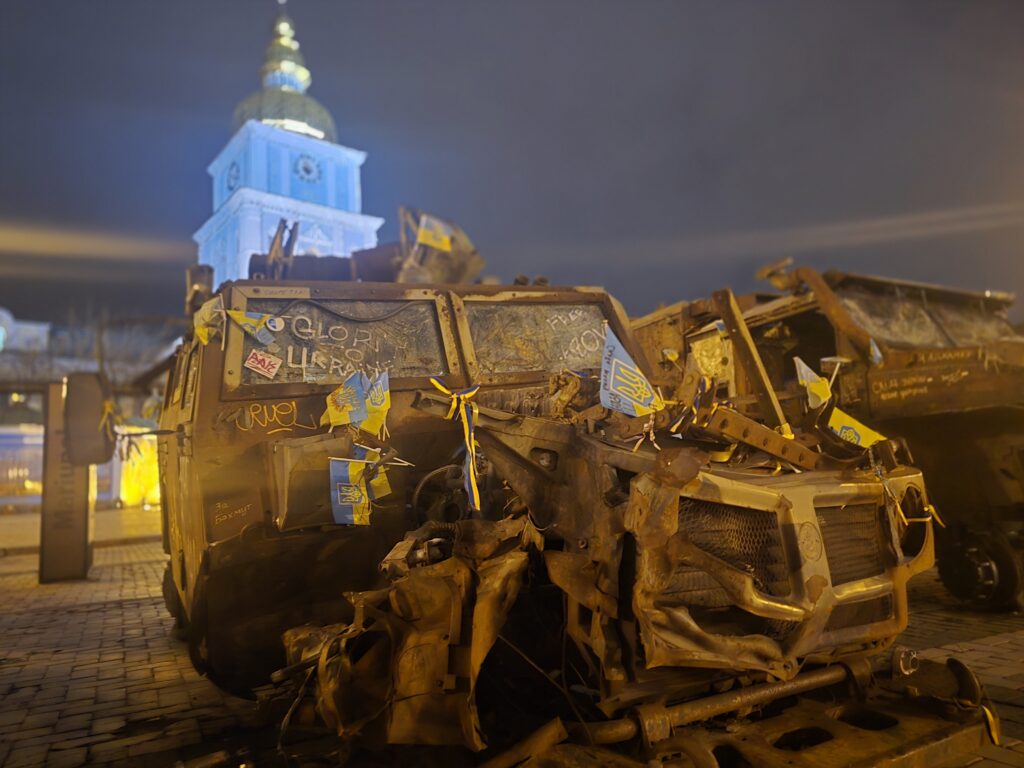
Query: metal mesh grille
[(853, 541), (747, 539), (858, 614)]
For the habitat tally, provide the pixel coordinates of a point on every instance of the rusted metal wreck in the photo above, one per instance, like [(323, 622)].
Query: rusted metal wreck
[(941, 367), (460, 525)]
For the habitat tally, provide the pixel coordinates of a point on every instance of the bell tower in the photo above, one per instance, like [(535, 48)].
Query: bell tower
[(283, 161)]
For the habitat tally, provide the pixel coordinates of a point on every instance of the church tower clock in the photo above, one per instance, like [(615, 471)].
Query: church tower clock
[(283, 162)]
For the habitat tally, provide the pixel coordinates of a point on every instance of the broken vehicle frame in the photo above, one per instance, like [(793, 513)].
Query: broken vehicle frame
[(246, 504), (691, 588), (942, 368)]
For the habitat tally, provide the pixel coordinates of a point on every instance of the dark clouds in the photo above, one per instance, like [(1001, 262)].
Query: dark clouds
[(597, 142)]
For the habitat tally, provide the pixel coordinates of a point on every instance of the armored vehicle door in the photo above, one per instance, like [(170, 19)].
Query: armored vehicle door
[(175, 457)]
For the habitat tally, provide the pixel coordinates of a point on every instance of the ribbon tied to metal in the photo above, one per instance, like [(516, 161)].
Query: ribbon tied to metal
[(108, 419), (463, 408)]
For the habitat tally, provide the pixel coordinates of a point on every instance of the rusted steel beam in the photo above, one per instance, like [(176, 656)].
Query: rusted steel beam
[(834, 310), (748, 357), (624, 729), (741, 698), (736, 426)]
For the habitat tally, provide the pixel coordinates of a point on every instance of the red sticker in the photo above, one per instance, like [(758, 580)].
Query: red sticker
[(264, 363)]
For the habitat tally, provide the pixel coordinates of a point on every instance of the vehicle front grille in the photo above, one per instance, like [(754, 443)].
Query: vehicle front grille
[(747, 539), (854, 542), (871, 611)]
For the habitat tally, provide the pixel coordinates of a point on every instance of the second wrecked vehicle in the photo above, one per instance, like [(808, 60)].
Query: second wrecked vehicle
[(940, 367)]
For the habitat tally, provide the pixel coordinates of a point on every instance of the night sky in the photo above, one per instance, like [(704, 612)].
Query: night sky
[(661, 149)]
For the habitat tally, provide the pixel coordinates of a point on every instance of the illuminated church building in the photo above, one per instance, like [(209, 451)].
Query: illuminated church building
[(283, 162)]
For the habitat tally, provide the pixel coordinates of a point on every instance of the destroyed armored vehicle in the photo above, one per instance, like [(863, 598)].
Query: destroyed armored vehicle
[(458, 524), (942, 368), (450, 517)]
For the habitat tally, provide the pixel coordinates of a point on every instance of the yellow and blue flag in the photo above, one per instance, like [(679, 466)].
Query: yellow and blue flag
[(360, 401), (378, 403), (818, 389), (853, 431), (347, 403), (434, 233), (624, 388), (819, 392), (355, 483), (253, 323), (209, 319), (875, 353)]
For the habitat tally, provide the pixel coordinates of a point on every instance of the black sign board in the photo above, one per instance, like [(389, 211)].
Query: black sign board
[(65, 550)]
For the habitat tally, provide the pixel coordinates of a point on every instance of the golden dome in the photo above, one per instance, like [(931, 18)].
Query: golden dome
[(283, 101)]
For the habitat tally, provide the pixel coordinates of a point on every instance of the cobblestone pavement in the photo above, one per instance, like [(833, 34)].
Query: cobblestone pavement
[(19, 532), (90, 673), (991, 644)]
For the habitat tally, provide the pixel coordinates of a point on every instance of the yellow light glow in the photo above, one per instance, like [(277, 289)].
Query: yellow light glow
[(140, 473), (31, 240)]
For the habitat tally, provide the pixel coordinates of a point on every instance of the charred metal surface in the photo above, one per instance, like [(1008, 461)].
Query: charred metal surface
[(743, 347), (623, 580), (942, 368), (406, 667), (735, 426)]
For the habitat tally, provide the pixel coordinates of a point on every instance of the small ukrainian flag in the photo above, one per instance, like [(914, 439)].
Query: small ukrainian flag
[(819, 392), (209, 319), (347, 403), (253, 323), (434, 233), (624, 388), (360, 401), (378, 403), (355, 483)]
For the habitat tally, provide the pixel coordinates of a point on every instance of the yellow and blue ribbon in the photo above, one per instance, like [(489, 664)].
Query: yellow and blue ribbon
[(463, 408), (702, 387), (108, 419)]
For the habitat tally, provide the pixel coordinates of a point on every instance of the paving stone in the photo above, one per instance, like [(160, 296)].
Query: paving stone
[(50, 738), (26, 756), (105, 753), (83, 740), (74, 722), (24, 734), (988, 681), (126, 742), (107, 695), (158, 745), (13, 717), (113, 633), (66, 758), (173, 698), (1001, 757), (40, 718), (108, 724)]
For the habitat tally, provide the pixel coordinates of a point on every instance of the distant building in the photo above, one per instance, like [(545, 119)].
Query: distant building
[(22, 335), (34, 354), (283, 162)]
